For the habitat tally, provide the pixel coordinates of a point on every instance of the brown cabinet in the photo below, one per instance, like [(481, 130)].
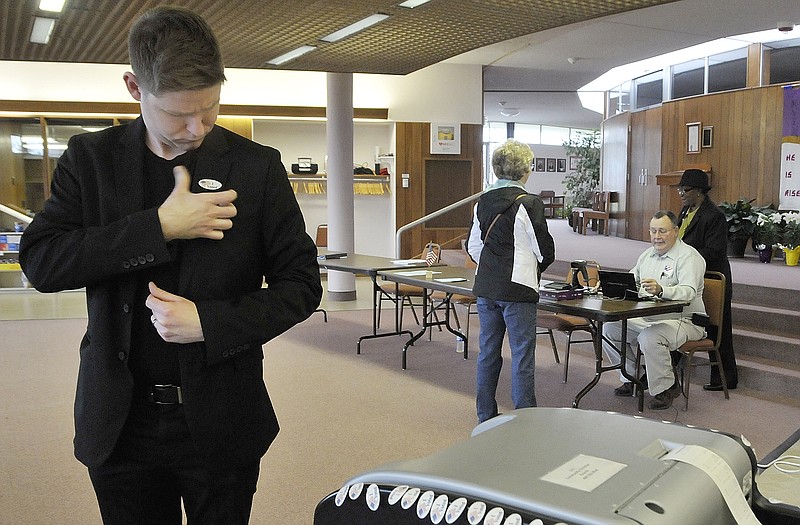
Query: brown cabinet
[(645, 164)]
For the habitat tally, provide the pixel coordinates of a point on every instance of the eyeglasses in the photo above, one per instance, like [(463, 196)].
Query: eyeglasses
[(661, 231), (683, 191)]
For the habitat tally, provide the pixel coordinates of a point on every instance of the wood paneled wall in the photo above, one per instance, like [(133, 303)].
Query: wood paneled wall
[(745, 152), (412, 156)]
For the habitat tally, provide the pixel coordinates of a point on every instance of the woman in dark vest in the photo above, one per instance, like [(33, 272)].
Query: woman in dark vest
[(703, 226)]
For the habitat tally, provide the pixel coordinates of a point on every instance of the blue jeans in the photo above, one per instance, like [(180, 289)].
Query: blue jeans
[(520, 320)]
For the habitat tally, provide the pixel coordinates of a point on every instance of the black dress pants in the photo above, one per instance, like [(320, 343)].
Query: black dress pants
[(155, 467)]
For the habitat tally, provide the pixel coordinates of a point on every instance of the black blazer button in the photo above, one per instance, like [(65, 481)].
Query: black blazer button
[(150, 257), (126, 308), (134, 261), (225, 353), (142, 260), (121, 356), (126, 265)]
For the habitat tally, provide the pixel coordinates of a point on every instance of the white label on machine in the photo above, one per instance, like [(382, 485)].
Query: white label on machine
[(584, 472)]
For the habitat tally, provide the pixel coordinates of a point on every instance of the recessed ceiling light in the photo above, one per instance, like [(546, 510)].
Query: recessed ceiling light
[(411, 4), (42, 29), (291, 55), (509, 112), (52, 5), (355, 28)]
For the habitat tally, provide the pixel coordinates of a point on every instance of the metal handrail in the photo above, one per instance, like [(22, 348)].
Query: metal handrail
[(432, 215)]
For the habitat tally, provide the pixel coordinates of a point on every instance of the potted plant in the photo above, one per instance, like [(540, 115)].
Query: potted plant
[(741, 224), (767, 233), (583, 182), (790, 237)]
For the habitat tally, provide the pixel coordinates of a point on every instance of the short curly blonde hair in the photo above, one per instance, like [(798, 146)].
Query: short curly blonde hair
[(512, 160)]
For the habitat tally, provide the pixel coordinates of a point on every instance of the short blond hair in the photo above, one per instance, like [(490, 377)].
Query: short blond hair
[(512, 160)]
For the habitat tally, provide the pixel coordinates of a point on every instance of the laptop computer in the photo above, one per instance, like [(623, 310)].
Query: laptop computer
[(620, 285)]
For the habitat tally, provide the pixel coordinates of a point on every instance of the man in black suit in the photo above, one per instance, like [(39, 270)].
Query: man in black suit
[(702, 225), (193, 252)]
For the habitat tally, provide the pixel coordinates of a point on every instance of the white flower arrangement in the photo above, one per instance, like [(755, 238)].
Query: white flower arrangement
[(768, 229), (790, 234)]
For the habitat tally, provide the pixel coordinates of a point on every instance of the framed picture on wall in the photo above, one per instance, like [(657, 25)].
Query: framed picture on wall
[(708, 136), (551, 164), (693, 137), (445, 138), (573, 162), (561, 165), (540, 164)]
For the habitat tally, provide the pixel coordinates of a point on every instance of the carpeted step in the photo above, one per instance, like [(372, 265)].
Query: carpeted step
[(766, 346), (766, 319)]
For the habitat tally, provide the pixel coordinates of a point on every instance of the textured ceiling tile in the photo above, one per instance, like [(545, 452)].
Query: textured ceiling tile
[(254, 31)]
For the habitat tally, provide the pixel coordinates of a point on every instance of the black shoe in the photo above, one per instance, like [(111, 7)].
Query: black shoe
[(710, 387), (664, 400), (626, 390)]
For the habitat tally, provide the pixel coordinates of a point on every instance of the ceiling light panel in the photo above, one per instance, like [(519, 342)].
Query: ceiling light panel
[(42, 29), (56, 6), (291, 55), (411, 4), (355, 28)]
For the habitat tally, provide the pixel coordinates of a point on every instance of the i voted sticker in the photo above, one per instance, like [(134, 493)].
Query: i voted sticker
[(397, 493), (439, 508), (409, 498), (355, 490), (515, 519), (455, 509), (475, 512), (341, 496), (424, 504), (209, 184), (373, 497)]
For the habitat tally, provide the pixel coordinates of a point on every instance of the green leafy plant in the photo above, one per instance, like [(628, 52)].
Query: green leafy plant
[(741, 218), (583, 182), (768, 229), (790, 232)]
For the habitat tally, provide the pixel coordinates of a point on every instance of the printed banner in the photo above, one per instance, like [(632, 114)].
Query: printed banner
[(790, 150)]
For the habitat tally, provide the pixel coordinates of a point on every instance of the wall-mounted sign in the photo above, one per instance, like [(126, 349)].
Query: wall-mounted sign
[(445, 138)]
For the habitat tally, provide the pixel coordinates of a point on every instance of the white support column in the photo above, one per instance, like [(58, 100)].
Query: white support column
[(341, 224)]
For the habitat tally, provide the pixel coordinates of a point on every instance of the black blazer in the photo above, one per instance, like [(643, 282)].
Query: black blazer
[(95, 233), (708, 234)]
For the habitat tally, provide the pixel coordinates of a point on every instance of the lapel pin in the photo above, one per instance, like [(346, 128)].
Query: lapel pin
[(209, 184)]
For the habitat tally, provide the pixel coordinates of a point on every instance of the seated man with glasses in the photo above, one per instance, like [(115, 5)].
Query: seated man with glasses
[(672, 270)]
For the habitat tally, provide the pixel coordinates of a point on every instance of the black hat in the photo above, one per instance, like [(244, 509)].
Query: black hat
[(695, 179)]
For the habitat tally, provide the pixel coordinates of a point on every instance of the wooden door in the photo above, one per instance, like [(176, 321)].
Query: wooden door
[(645, 164)]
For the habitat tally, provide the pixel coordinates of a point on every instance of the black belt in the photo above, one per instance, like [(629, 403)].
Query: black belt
[(166, 395)]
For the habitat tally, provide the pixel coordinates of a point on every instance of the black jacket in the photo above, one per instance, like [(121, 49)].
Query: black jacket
[(95, 233), (517, 249)]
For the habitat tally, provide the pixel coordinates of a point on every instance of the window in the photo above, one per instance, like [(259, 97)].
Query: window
[(495, 132), (619, 99), (784, 61), (554, 135), (528, 133), (688, 78), (648, 90), (727, 71)]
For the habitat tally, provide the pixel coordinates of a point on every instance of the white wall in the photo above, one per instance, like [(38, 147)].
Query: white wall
[(543, 180), (374, 215), (422, 96), (442, 92)]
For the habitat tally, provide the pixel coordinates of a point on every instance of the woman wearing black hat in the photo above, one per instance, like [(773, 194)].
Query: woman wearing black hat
[(703, 225)]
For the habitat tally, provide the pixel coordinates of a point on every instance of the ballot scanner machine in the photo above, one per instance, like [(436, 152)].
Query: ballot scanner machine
[(548, 466)]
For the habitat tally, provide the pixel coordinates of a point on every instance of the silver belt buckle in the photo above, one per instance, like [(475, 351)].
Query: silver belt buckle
[(177, 390)]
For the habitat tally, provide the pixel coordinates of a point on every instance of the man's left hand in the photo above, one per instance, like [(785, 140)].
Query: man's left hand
[(175, 318)]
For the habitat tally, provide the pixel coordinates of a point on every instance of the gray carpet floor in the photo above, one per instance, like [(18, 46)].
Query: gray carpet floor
[(340, 413)]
